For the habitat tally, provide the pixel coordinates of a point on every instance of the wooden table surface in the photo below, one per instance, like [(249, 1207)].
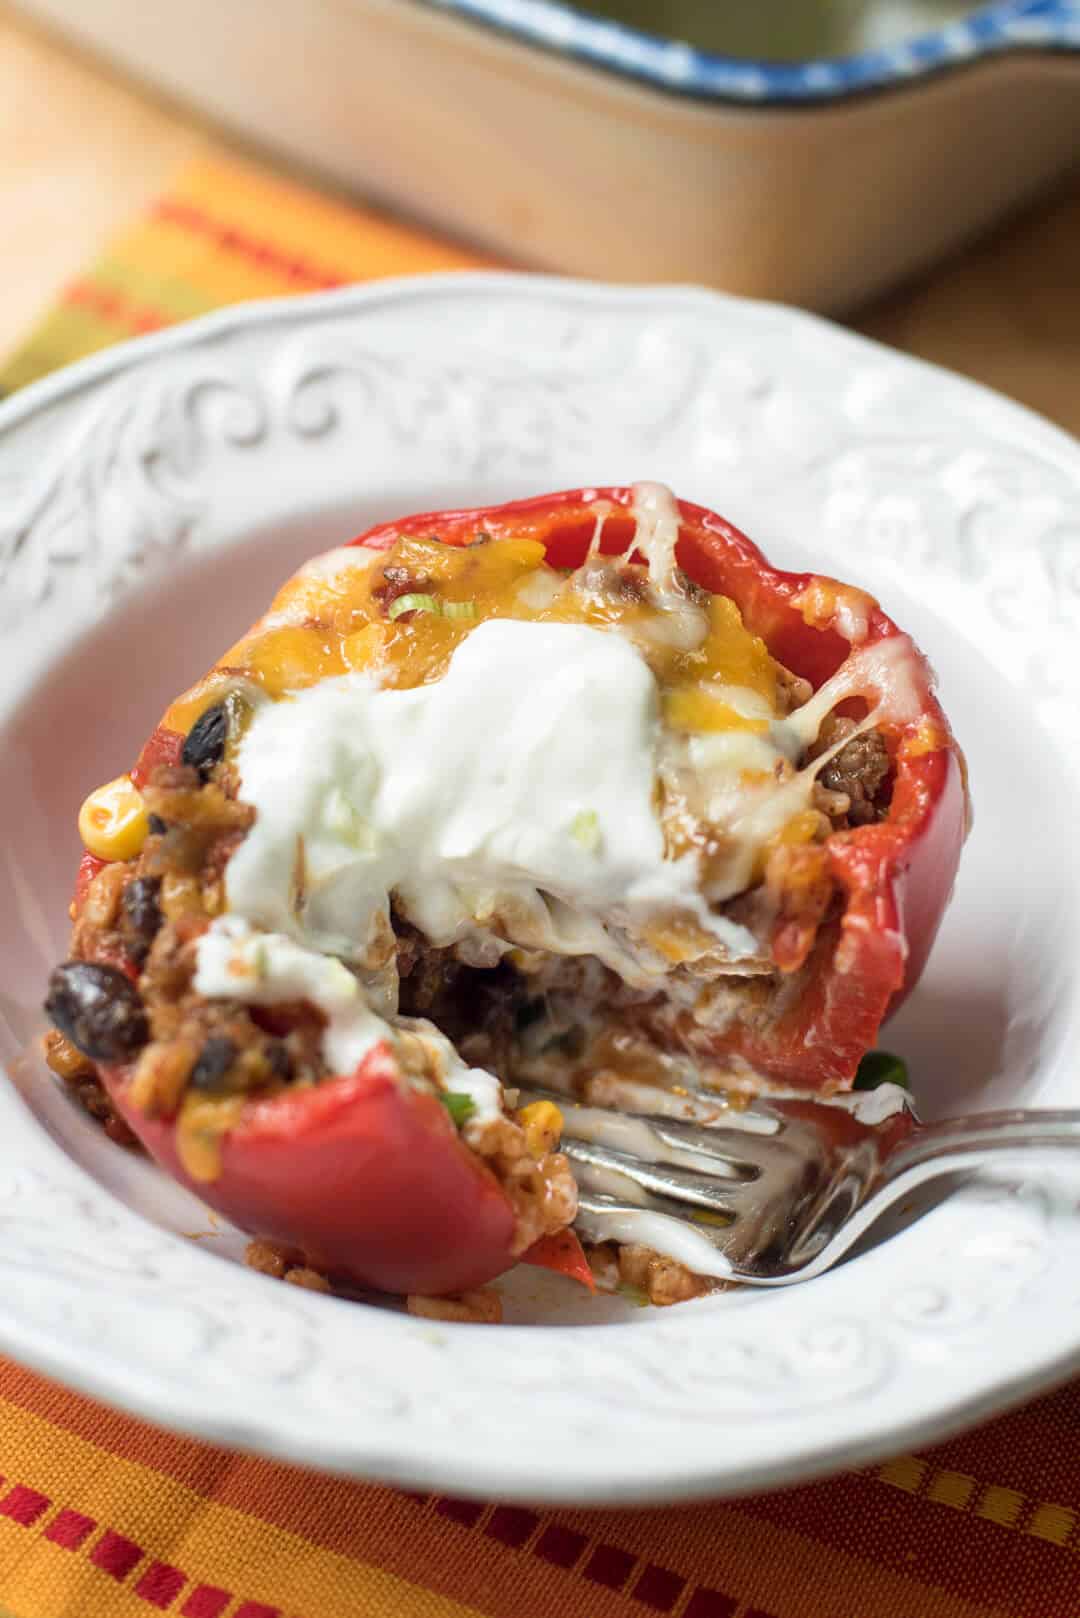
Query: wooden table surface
[(82, 149)]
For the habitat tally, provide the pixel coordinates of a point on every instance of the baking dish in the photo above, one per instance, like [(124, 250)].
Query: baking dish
[(557, 139)]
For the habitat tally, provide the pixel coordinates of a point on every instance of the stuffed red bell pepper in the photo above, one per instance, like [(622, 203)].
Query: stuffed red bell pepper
[(576, 793)]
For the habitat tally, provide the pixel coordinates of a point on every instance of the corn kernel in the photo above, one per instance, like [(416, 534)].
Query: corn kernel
[(113, 822), (543, 1123)]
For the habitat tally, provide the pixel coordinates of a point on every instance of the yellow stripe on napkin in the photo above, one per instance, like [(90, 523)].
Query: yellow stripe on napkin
[(97, 1533)]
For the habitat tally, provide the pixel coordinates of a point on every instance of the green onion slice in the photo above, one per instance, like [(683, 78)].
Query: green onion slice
[(460, 1107), (459, 609), (412, 603), (881, 1067), (585, 830)]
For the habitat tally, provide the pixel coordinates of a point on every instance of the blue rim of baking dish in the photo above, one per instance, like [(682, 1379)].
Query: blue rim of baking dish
[(670, 64)]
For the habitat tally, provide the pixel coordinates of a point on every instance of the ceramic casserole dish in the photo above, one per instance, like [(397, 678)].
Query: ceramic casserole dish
[(557, 138)]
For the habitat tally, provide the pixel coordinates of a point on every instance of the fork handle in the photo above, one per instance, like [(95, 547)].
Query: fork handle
[(980, 1138)]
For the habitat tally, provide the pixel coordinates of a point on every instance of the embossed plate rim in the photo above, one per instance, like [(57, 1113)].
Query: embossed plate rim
[(765, 1424), (205, 329)]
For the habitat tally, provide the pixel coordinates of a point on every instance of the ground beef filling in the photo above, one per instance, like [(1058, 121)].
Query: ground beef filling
[(855, 787)]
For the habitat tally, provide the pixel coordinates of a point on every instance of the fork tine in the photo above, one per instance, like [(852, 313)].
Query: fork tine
[(689, 1105), (717, 1195), (720, 1197), (711, 1149), (604, 1218)]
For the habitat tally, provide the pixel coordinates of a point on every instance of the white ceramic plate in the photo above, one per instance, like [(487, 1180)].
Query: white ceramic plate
[(149, 501)]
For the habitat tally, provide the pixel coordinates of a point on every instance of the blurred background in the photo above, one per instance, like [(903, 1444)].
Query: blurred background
[(910, 166)]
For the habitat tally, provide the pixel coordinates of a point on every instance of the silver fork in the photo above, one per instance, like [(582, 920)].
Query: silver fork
[(777, 1191)]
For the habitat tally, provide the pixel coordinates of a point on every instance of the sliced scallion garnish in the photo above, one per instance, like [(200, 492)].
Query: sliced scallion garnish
[(460, 1107), (459, 609), (585, 830), (412, 603)]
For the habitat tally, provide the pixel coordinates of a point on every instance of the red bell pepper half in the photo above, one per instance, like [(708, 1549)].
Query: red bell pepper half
[(372, 1180)]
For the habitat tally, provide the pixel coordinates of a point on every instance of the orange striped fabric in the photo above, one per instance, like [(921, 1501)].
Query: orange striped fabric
[(105, 1517), (223, 234)]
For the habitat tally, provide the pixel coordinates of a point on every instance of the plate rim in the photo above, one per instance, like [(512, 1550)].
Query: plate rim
[(437, 1475), (131, 352)]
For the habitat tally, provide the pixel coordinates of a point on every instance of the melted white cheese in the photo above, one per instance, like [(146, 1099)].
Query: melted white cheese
[(888, 674), (656, 534)]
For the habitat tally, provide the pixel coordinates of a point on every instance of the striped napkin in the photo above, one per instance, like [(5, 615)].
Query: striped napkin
[(105, 1517)]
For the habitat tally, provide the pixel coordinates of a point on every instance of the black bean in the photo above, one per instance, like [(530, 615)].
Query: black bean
[(141, 916), (141, 908), (204, 745), (99, 1009), (215, 1060), (157, 826), (279, 1060)]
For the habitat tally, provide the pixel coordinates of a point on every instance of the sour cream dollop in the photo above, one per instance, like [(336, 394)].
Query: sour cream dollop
[(515, 798)]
